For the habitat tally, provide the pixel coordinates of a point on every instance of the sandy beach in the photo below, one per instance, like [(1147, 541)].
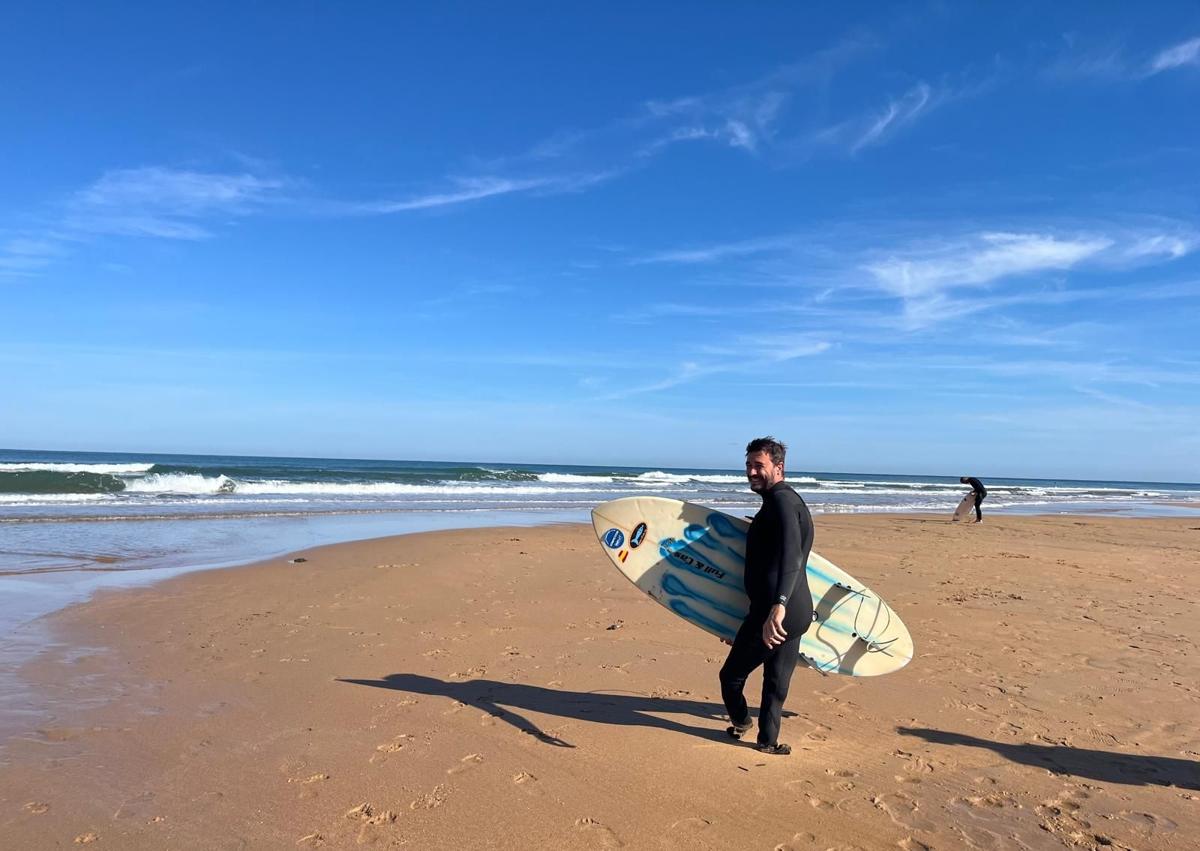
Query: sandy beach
[(507, 688)]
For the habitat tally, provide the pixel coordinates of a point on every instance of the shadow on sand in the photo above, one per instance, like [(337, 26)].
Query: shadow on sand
[(503, 699), (1107, 766)]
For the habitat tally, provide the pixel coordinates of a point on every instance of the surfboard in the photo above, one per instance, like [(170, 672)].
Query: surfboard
[(691, 559), (965, 508)]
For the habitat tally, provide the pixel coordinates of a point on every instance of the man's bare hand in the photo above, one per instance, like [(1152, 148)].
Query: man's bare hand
[(773, 632)]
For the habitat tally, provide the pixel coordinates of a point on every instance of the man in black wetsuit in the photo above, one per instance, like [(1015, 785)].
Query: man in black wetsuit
[(777, 548), (980, 493)]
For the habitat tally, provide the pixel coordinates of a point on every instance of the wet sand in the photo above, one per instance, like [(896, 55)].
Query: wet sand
[(508, 688)]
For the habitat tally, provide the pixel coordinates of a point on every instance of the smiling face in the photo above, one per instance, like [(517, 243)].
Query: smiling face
[(762, 472)]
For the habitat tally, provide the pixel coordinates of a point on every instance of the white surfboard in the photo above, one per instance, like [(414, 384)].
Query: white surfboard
[(691, 559), (965, 508)]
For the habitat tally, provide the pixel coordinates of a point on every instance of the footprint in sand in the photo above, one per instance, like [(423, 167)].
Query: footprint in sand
[(37, 808), (797, 842), (432, 800), (466, 763), (528, 783), (914, 763), (312, 778), (387, 749), (687, 833), (843, 775), (603, 836), (366, 813), (1059, 816), (86, 838), (903, 810)]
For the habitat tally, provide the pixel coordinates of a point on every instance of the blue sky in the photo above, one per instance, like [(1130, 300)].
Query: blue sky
[(933, 238)]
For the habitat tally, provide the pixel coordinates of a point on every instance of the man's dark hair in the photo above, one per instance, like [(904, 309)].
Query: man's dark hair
[(768, 444)]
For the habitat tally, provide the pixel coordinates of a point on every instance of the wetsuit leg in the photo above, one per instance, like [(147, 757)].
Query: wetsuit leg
[(747, 653), (978, 510), (777, 677)]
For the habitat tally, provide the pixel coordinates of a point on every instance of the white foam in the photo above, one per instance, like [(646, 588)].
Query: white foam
[(567, 478), (38, 467), (397, 489), (191, 483), (658, 476), (47, 498)]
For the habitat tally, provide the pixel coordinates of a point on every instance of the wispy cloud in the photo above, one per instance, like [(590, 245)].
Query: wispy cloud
[(837, 276), (1177, 56), (979, 260), (744, 117), (898, 113), (163, 202), (153, 201), (464, 190), (742, 354), (876, 126), (928, 279), (756, 118), (1112, 62), (22, 256), (714, 253)]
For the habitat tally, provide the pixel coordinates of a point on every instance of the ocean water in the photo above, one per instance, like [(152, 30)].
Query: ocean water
[(74, 522)]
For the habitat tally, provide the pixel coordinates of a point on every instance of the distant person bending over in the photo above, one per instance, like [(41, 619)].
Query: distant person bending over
[(980, 493), (777, 548)]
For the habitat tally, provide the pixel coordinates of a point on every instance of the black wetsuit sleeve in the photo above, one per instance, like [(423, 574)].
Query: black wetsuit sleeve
[(796, 531), (977, 486)]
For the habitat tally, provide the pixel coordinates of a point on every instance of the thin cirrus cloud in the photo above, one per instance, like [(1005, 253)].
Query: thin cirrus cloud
[(770, 117), (938, 280), (461, 191), (1178, 56), (983, 258), (466, 189), (937, 283), (898, 113), (24, 256), (163, 202), (979, 260), (715, 253), (152, 201), (743, 354), (1110, 61), (875, 127)]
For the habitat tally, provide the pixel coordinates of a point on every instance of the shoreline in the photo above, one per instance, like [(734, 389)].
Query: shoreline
[(505, 687)]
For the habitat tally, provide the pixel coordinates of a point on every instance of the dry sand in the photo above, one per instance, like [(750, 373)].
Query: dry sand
[(507, 688)]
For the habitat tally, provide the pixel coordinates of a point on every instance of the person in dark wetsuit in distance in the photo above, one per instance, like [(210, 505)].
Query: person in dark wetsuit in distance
[(781, 610), (980, 493)]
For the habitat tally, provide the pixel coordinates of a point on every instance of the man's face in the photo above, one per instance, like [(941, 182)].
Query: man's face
[(762, 472)]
